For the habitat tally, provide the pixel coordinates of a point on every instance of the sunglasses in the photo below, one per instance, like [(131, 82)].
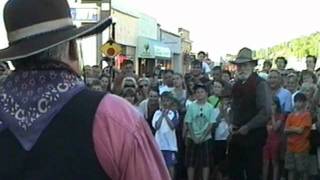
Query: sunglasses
[(129, 86), (154, 97), (201, 112)]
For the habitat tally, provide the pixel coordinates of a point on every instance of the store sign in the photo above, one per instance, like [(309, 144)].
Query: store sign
[(172, 41), (85, 14), (150, 49), (146, 51), (162, 51)]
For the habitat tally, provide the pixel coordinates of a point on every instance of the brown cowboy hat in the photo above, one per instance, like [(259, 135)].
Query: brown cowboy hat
[(244, 56), (34, 26)]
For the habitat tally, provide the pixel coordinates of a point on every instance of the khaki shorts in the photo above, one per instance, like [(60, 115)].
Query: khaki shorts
[(297, 162)]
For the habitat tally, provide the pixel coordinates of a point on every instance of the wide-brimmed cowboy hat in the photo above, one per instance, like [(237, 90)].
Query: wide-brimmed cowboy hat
[(244, 56), (34, 26)]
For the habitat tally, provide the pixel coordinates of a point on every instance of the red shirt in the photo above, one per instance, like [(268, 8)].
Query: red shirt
[(124, 144), (299, 143)]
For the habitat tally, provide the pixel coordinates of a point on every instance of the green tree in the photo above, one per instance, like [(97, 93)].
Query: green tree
[(298, 48)]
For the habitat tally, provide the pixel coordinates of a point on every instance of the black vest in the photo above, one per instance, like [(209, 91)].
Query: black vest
[(244, 100), (64, 151)]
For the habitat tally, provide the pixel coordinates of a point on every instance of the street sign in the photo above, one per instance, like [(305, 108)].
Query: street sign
[(110, 49), (95, 1), (85, 14)]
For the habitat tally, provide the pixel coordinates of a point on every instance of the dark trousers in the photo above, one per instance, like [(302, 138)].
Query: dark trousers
[(245, 155)]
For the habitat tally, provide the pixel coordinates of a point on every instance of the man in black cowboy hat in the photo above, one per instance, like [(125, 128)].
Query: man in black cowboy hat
[(251, 109), (51, 126)]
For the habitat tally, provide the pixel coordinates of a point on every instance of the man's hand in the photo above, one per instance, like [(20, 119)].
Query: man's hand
[(196, 140), (202, 139), (165, 111)]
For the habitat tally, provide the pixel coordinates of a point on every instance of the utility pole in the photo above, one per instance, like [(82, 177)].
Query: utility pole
[(105, 11)]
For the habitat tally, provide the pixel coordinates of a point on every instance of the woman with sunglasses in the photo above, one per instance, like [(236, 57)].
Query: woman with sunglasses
[(129, 82), (143, 89)]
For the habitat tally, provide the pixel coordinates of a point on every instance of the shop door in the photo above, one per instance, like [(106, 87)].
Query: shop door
[(146, 67)]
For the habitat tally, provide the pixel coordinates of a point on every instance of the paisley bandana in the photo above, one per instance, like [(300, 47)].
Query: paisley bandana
[(30, 99)]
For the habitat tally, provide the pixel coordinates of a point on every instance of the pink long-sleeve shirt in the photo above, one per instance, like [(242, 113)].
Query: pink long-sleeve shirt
[(124, 144)]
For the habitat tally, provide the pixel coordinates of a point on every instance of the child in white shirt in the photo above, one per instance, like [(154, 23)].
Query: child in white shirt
[(222, 133), (165, 121)]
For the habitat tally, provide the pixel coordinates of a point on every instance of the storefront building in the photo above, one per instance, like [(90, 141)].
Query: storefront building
[(173, 42), (186, 48), (126, 37), (149, 49), (151, 53)]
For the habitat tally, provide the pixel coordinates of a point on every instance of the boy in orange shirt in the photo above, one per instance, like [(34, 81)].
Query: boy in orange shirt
[(297, 129)]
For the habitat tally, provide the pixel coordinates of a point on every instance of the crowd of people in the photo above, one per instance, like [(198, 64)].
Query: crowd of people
[(204, 124), (191, 116)]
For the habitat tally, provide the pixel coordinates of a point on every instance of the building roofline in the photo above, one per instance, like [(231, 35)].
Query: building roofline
[(188, 41), (170, 33), (128, 14), (180, 28)]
